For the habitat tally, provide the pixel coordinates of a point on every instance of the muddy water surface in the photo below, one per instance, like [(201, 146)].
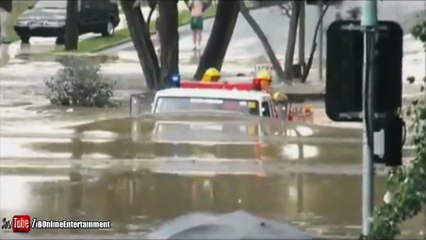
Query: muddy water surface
[(113, 170)]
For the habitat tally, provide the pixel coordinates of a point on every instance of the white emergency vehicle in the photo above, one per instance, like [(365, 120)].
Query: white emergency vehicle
[(220, 115), (221, 96), (245, 102)]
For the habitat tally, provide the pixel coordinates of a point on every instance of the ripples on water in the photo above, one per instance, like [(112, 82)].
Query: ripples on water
[(119, 173)]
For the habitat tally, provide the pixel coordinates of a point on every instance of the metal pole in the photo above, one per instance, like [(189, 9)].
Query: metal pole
[(302, 36), (320, 40), (369, 22)]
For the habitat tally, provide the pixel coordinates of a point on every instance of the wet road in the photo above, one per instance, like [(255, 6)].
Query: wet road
[(106, 170), (100, 169)]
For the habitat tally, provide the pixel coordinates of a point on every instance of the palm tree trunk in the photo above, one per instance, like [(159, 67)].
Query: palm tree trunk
[(152, 5), (291, 42), (71, 27), (220, 36), (302, 20), (258, 31), (168, 30), (314, 46), (5, 11), (142, 43)]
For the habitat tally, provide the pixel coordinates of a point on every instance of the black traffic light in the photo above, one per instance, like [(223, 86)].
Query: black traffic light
[(345, 47), (394, 140), (394, 137)]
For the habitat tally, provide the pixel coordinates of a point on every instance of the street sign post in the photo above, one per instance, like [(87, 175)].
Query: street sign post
[(364, 83), (369, 23)]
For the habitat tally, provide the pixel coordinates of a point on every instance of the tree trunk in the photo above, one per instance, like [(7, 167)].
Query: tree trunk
[(302, 20), (220, 36), (71, 26), (169, 40), (142, 43), (268, 49), (6, 12), (291, 42), (7, 5), (152, 5), (314, 46)]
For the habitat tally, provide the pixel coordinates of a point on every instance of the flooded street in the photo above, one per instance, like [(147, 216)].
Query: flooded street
[(136, 200), (114, 170), (97, 164), (74, 163)]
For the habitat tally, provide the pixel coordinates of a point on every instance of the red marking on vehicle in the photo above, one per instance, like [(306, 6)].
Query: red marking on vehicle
[(257, 84), (217, 85)]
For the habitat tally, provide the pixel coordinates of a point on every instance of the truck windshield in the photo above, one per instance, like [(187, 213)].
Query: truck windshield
[(179, 104), (58, 4)]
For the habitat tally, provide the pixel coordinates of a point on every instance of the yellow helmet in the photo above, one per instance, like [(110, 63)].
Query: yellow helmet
[(307, 108), (264, 74), (212, 72), (279, 97)]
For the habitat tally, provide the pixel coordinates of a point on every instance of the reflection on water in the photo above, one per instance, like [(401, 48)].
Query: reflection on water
[(137, 200), (304, 130), (297, 152), (19, 191), (230, 136), (98, 183), (18, 147)]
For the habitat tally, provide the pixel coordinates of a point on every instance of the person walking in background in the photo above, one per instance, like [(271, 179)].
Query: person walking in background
[(196, 8)]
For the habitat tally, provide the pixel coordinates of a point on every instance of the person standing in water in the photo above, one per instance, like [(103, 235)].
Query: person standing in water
[(196, 7)]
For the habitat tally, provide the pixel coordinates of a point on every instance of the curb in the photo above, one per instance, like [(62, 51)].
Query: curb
[(111, 46), (115, 44), (303, 97)]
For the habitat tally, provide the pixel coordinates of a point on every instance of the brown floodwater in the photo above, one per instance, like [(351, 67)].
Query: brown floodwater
[(136, 175)]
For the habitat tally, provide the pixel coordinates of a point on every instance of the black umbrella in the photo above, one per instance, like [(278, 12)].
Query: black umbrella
[(235, 225)]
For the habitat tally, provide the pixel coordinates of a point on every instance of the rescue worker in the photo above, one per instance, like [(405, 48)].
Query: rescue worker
[(211, 75), (279, 97), (265, 80), (281, 104)]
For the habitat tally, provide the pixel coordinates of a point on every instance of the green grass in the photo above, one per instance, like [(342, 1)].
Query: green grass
[(123, 35), (18, 8)]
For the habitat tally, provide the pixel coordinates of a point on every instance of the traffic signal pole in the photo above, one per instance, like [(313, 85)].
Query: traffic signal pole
[(369, 23), (320, 39)]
